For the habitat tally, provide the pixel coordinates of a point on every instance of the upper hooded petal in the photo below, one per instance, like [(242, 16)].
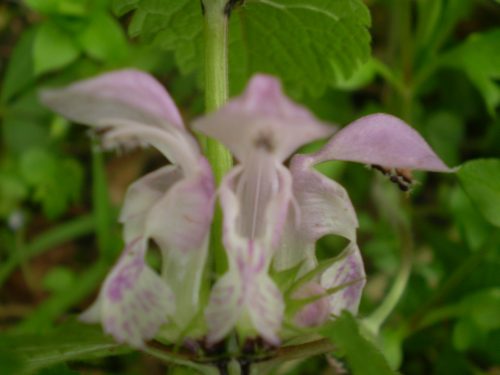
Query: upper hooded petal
[(262, 119), (125, 94), (134, 107), (384, 140)]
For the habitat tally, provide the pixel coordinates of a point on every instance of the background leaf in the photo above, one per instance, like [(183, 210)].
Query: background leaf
[(53, 48), (309, 44), (479, 58), (363, 357), (481, 181)]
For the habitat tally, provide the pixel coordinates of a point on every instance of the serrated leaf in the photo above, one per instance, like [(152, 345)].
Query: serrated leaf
[(53, 48), (362, 355), (309, 44), (481, 181), (479, 58)]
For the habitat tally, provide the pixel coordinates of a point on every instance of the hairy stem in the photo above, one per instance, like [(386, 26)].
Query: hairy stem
[(216, 92)]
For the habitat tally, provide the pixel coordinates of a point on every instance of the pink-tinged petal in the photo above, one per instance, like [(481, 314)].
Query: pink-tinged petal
[(322, 207), (180, 220), (224, 307), (251, 215), (348, 274), (183, 272), (134, 301), (262, 120), (124, 95), (382, 139), (142, 195), (314, 313), (266, 307)]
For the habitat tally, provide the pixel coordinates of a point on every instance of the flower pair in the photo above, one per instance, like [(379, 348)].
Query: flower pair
[(274, 210)]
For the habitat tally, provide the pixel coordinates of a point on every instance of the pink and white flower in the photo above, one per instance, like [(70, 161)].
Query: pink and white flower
[(274, 210)]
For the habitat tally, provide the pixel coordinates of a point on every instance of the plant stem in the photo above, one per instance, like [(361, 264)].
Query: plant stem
[(216, 92), (380, 315), (216, 78)]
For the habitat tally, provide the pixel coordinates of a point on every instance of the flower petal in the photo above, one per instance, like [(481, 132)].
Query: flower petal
[(322, 207), (381, 139), (224, 307), (126, 94), (180, 220), (134, 301), (266, 307), (314, 313), (264, 120), (142, 195), (348, 274)]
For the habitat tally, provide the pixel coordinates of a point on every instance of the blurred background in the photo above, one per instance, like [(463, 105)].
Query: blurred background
[(435, 63)]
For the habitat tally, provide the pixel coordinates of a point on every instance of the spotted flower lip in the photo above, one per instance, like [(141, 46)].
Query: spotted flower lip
[(274, 212)]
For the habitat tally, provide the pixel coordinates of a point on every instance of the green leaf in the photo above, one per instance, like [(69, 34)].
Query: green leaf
[(362, 355), (53, 48), (56, 181), (103, 39), (479, 58), (445, 132), (479, 316), (20, 71), (60, 369), (25, 124), (120, 7), (472, 225), (10, 363), (12, 191), (70, 341), (309, 44), (481, 181)]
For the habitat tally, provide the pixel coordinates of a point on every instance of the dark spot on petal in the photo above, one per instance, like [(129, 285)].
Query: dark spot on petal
[(264, 141)]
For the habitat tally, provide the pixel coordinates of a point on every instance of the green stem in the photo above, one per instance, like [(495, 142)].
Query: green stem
[(65, 232), (380, 315), (216, 92)]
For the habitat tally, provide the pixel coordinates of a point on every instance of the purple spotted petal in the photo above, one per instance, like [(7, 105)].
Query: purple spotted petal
[(266, 307), (382, 140), (126, 94), (239, 295), (262, 120), (314, 313), (224, 308), (134, 301), (348, 273)]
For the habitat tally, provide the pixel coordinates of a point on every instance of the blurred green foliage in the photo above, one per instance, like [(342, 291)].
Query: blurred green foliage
[(434, 63)]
